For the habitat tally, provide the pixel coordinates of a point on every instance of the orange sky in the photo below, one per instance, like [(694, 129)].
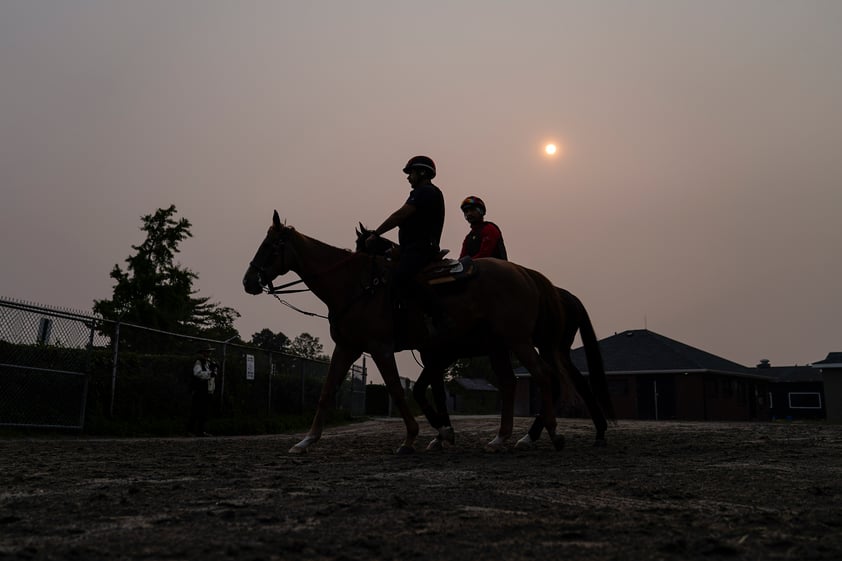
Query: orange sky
[(697, 191)]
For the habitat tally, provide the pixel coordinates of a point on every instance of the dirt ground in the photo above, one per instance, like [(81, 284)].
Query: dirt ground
[(660, 490)]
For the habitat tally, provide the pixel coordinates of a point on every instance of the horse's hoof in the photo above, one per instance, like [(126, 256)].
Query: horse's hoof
[(600, 443), (525, 443), (300, 450), (435, 444), (447, 434), (496, 445), (558, 442), (405, 450)]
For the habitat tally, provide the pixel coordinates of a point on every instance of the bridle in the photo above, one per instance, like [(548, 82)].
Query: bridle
[(277, 252)]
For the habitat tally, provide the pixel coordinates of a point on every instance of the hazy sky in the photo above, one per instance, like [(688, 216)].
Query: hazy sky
[(699, 191)]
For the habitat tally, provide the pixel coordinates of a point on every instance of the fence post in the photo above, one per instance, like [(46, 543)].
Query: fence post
[(87, 376), (271, 368), (301, 371), (114, 367), (222, 374)]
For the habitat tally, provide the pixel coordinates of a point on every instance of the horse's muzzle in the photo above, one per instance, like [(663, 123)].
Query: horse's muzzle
[(251, 281)]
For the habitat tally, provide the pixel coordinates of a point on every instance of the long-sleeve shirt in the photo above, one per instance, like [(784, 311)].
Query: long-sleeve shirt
[(484, 240), (200, 371)]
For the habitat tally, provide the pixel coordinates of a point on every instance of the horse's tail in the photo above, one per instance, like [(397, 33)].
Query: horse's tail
[(596, 367)]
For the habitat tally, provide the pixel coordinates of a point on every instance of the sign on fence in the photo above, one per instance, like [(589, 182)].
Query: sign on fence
[(249, 367)]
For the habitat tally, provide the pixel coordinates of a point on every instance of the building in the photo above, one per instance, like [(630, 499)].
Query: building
[(654, 377), (831, 371), (795, 392), (473, 395), (651, 376)]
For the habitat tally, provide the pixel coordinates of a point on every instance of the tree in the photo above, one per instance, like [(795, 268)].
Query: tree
[(474, 367), (266, 339), (306, 346), (156, 292)]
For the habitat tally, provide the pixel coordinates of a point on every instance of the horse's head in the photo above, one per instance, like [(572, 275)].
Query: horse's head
[(271, 260), (380, 247)]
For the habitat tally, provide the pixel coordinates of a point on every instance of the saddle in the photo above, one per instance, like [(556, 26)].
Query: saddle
[(446, 271)]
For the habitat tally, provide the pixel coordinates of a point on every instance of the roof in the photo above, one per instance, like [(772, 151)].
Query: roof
[(641, 350), (475, 384), (833, 360), (791, 373)]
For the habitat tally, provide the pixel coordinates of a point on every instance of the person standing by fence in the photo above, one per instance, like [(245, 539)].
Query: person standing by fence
[(202, 387)]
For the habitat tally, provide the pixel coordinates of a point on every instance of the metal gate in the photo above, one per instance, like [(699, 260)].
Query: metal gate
[(44, 365)]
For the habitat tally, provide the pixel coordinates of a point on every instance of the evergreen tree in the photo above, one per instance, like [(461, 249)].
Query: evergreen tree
[(155, 291)]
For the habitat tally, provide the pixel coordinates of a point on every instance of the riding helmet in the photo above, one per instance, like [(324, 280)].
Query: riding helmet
[(474, 202), (424, 163)]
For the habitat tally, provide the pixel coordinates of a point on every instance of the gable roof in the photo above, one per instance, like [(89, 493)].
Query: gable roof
[(791, 373), (641, 350)]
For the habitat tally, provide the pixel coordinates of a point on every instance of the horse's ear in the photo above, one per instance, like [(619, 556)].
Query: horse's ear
[(276, 220)]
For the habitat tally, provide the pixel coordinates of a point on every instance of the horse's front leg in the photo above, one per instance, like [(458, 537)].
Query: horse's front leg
[(432, 376), (445, 427), (506, 378), (340, 362), (385, 362)]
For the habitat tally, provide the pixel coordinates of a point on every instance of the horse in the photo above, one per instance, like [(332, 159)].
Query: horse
[(500, 310), (574, 318)]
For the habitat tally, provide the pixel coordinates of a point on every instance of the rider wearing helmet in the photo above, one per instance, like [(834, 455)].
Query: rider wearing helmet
[(420, 222), (485, 238)]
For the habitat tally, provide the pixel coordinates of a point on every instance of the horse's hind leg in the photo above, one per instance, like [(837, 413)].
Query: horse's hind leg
[(583, 388), (534, 432), (502, 367), (543, 374)]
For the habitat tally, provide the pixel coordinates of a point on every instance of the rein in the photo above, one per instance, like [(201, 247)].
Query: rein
[(272, 290), (299, 310)]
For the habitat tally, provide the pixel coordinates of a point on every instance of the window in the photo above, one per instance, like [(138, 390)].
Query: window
[(805, 400)]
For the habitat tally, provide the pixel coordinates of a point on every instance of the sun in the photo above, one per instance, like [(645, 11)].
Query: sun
[(550, 149)]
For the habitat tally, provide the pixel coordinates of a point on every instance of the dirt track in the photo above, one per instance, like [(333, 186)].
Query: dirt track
[(659, 491)]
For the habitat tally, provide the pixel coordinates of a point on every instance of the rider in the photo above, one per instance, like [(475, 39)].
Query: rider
[(485, 238), (420, 222)]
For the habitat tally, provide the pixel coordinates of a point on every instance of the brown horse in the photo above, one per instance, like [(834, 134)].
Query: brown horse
[(574, 318), (500, 310)]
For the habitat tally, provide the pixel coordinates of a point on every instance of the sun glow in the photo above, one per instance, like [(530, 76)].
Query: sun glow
[(550, 149)]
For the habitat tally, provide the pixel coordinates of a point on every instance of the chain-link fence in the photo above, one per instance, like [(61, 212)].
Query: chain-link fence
[(65, 369), (45, 358)]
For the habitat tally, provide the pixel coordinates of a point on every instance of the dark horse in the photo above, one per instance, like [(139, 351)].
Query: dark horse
[(504, 304), (574, 318)]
